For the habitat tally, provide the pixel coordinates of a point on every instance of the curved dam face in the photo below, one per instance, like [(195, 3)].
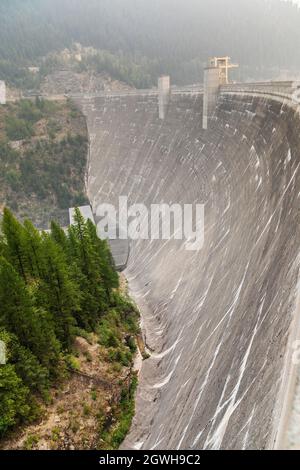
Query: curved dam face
[(216, 321)]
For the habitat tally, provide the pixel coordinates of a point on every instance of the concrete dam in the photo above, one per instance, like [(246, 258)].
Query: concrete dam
[(218, 322)]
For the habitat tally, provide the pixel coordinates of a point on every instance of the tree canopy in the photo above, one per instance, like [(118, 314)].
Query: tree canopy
[(50, 285)]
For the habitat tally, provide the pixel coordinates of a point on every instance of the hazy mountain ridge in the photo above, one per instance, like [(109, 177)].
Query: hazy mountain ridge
[(262, 35)]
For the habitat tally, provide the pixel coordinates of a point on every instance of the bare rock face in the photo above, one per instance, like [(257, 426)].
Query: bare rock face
[(81, 345), (67, 82), (216, 320)]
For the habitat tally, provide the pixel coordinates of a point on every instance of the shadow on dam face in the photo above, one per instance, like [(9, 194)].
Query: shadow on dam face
[(217, 321)]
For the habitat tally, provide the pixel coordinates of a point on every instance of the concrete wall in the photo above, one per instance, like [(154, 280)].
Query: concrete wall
[(217, 321), (2, 92)]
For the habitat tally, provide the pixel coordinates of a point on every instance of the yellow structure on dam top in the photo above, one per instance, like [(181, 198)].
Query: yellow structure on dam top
[(224, 65)]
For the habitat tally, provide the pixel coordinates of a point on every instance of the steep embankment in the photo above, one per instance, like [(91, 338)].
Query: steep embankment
[(217, 320), (43, 150)]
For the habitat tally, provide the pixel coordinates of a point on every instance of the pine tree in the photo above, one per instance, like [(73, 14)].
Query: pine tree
[(18, 315), (28, 368), (94, 297), (48, 285), (104, 259), (13, 398), (58, 236), (32, 250), (58, 293), (14, 237)]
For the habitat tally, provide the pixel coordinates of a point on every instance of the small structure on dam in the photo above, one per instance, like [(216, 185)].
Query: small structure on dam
[(224, 65), (211, 90), (164, 92), (2, 92), (215, 75)]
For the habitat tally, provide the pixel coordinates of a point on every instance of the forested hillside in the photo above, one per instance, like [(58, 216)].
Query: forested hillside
[(55, 287), (139, 39), (43, 151)]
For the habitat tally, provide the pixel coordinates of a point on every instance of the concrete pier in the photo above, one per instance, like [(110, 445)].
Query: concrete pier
[(2, 92), (164, 92), (211, 90)]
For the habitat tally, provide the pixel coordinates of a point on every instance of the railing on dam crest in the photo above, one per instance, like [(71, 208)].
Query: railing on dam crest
[(279, 90)]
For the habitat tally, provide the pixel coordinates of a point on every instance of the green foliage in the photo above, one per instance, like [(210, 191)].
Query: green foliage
[(12, 178), (14, 397), (88, 272), (30, 111), (29, 369), (51, 166), (18, 76), (108, 330), (127, 413), (94, 395), (119, 352), (7, 154), (127, 311), (46, 168), (76, 331), (18, 129), (71, 362), (123, 415), (137, 71), (132, 344), (30, 442), (55, 434), (121, 355), (86, 410), (51, 287)]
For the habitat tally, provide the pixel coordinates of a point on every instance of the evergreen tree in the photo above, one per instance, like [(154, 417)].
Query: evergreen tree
[(31, 325), (104, 259), (14, 237), (32, 250), (94, 297), (28, 368), (58, 236), (58, 293), (48, 285), (13, 398), (16, 312)]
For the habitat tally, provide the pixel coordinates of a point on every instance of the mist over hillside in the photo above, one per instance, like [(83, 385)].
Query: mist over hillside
[(162, 36)]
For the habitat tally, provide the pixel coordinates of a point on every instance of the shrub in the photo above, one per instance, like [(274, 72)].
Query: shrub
[(125, 416), (131, 344), (29, 112), (30, 442), (12, 177), (18, 129), (72, 363), (94, 395), (86, 410)]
